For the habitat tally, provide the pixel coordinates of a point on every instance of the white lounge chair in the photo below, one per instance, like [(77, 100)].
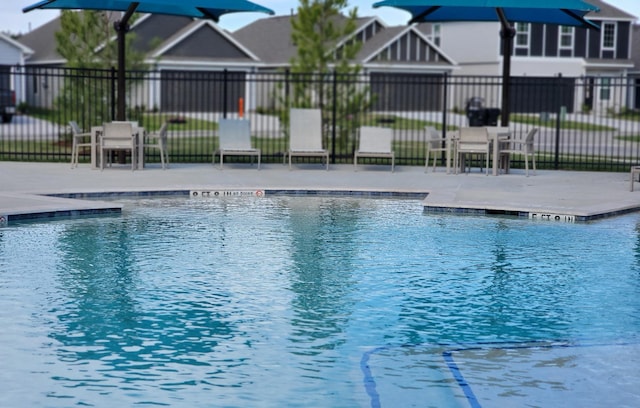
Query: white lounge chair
[(375, 142), (79, 139), (235, 139), (305, 134)]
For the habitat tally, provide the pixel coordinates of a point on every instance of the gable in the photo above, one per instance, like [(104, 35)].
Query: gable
[(408, 47), (152, 29), (206, 42)]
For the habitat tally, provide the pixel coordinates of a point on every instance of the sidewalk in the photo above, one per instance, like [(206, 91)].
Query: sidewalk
[(25, 188)]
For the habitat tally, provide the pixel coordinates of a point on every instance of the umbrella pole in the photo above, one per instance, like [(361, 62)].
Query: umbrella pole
[(121, 27), (507, 34)]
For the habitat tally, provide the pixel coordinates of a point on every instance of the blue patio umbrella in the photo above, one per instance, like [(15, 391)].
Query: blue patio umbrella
[(507, 12), (205, 9)]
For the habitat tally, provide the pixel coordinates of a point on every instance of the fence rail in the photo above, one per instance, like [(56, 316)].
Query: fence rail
[(585, 123)]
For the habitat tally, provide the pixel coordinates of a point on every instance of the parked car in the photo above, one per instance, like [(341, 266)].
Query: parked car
[(7, 105)]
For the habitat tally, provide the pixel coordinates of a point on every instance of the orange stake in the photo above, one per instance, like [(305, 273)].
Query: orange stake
[(241, 107)]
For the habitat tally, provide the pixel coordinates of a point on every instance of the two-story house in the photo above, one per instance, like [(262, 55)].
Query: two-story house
[(600, 57)]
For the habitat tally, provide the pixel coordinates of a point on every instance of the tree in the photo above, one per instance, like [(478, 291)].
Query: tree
[(87, 41), (324, 71)]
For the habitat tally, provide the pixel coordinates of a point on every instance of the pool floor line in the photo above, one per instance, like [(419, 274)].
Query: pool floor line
[(447, 355)]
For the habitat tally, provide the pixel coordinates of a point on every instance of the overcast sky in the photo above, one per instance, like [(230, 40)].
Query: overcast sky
[(13, 20)]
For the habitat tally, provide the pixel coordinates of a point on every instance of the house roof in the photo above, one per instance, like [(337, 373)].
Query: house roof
[(187, 44), (42, 42), (608, 12), (270, 39)]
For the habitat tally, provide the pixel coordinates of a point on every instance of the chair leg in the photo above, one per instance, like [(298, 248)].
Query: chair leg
[(162, 158), (73, 152), (533, 161)]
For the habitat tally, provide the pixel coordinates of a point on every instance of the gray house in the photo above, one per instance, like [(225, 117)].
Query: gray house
[(400, 64)]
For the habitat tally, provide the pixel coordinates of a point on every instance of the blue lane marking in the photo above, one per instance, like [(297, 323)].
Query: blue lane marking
[(369, 382), (455, 371)]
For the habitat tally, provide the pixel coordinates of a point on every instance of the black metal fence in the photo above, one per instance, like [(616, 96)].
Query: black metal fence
[(589, 123)]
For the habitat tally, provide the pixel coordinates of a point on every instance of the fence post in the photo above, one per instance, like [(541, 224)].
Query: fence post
[(113, 93), (224, 93), (333, 116), (445, 101), (556, 158)]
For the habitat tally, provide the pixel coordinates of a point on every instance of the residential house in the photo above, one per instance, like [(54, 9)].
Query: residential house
[(12, 55), (188, 57), (401, 65), (600, 57)]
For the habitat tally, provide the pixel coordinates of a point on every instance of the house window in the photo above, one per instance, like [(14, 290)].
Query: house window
[(435, 34), (522, 38), (608, 36), (605, 89), (566, 38)]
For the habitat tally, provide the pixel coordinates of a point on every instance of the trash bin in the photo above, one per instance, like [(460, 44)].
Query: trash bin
[(491, 117), (475, 111), (478, 115)]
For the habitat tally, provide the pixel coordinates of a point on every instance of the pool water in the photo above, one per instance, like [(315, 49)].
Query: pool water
[(317, 302)]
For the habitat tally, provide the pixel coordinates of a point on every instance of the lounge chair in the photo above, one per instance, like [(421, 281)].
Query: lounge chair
[(375, 142), (305, 134), (235, 139)]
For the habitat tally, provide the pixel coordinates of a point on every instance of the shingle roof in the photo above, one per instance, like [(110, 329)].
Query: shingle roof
[(269, 39), (607, 11), (41, 41)]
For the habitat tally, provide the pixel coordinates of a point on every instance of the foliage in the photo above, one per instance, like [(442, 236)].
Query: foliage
[(319, 31), (87, 41)]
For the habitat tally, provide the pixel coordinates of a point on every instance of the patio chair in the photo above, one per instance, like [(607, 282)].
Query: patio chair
[(235, 139), (79, 139), (524, 147), (305, 134), (375, 142), (158, 140), (117, 136), (472, 140), (436, 145)]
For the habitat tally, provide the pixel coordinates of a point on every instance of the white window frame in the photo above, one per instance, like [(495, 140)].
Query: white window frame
[(523, 30), (570, 34), (603, 30), (605, 88), (436, 34)]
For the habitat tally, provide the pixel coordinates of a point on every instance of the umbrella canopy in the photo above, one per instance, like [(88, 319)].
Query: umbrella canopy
[(206, 9), (507, 12)]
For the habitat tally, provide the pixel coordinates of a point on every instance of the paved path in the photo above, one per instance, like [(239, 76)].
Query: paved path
[(25, 187)]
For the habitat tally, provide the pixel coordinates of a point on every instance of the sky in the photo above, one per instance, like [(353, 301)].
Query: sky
[(13, 20)]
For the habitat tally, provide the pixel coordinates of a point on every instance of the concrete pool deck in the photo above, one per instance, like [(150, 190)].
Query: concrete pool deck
[(27, 189)]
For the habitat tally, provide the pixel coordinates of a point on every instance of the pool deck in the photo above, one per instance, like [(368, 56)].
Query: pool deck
[(27, 189)]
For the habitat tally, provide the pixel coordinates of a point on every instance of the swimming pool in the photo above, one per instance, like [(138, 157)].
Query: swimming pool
[(317, 301)]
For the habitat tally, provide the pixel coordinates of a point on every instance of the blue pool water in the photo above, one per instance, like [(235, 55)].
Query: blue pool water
[(317, 302)]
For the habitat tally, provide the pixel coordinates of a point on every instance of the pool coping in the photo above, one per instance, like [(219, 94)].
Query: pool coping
[(51, 190), (88, 203)]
